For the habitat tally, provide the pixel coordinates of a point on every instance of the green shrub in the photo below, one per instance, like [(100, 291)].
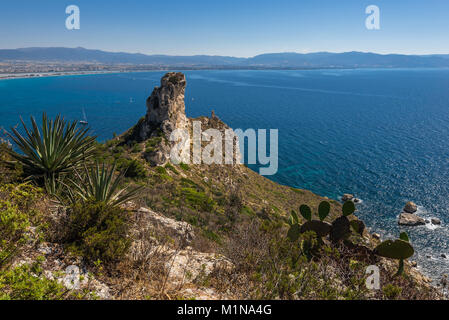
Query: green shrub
[(161, 170), (98, 231), (23, 195), (9, 171), (170, 167), (391, 291), (153, 142), (28, 283), (137, 148), (184, 166), (132, 168), (198, 199), (13, 225)]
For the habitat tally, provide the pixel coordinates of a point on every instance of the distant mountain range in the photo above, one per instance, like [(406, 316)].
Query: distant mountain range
[(271, 60)]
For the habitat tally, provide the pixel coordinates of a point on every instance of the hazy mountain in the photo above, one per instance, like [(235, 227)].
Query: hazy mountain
[(271, 60)]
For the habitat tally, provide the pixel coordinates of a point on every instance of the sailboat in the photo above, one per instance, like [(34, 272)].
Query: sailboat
[(84, 121)]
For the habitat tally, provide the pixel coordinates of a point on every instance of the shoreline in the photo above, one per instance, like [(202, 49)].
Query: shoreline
[(36, 75)]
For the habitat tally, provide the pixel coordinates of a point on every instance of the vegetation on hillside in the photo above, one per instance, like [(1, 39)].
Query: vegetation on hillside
[(62, 187)]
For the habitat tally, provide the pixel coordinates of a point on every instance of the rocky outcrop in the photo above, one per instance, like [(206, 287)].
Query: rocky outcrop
[(409, 219), (165, 107), (435, 221), (177, 229), (166, 113), (188, 265), (410, 207), (349, 197)]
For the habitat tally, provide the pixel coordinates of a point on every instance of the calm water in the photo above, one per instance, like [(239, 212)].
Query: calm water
[(380, 134)]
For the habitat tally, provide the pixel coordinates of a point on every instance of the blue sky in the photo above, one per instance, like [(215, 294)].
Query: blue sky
[(229, 27)]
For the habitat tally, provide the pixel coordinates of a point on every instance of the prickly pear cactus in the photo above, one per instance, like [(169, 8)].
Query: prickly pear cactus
[(358, 226), (321, 228), (305, 212), (323, 210), (399, 249), (294, 232), (340, 229), (348, 208)]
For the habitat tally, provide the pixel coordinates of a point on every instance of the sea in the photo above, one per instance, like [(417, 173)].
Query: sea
[(380, 134)]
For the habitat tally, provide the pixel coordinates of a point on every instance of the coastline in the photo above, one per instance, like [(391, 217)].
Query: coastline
[(35, 75)]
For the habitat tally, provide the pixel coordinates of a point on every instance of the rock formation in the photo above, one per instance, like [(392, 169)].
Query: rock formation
[(410, 207), (165, 107), (166, 113), (409, 219)]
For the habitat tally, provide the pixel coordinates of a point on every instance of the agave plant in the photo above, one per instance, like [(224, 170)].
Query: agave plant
[(57, 148), (100, 184)]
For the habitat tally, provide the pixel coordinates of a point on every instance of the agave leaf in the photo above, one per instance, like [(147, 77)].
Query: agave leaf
[(56, 148), (323, 210), (101, 184)]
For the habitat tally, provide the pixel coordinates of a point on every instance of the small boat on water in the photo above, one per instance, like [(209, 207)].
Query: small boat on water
[(84, 121)]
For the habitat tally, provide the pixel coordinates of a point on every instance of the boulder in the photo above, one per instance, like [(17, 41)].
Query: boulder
[(347, 197), (409, 219), (435, 221), (376, 236), (179, 229), (410, 207)]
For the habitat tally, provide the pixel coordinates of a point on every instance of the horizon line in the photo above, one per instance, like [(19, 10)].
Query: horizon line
[(229, 56)]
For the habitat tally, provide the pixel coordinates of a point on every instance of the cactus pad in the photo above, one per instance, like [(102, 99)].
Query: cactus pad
[(397, 249), (321, 228)]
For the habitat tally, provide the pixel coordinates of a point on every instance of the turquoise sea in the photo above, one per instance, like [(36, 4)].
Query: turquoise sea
[(382, 135)]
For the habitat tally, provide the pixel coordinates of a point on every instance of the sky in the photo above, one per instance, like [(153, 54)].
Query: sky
[(241, 28)]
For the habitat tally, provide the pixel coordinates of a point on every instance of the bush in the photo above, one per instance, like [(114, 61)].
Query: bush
[(132, 168), (9, 172), (184, 166), (391, 291), (198, 199), (23, 195), (28, 283), (13, 225), (98, 231), (137, 148)]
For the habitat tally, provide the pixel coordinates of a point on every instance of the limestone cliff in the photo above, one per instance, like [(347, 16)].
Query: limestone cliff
[(165, 107)]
